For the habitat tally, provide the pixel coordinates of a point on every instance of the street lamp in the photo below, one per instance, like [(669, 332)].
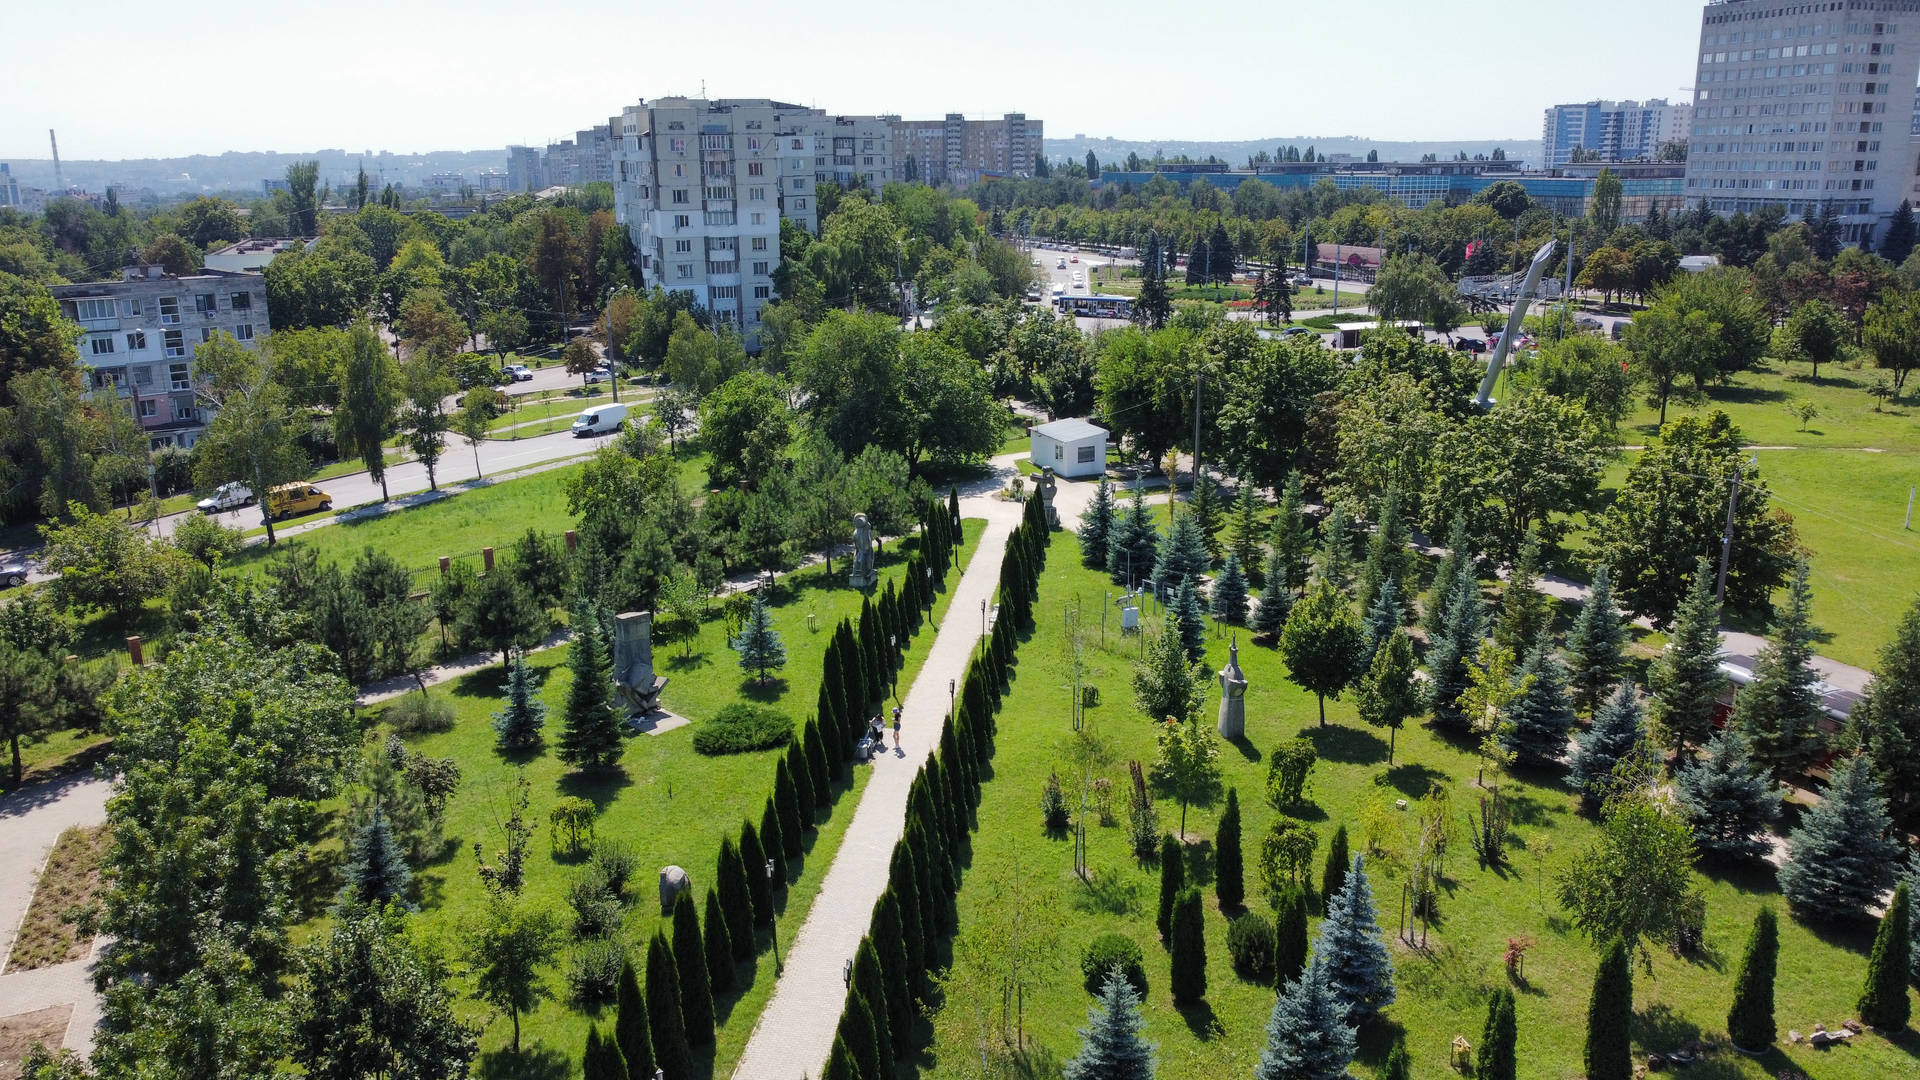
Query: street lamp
[(846, 973), (893, 667), (950, 698), (776, 923)]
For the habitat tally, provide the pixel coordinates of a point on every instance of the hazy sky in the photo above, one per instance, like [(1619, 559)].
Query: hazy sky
[(128, 78)]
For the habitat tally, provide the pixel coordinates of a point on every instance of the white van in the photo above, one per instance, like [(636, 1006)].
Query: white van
[(599, 419)]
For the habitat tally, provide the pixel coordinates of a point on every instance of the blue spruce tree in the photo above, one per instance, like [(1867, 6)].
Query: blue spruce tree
[(1539, 719), (1193, 625), (1450, 655), (1383, 616), (517, 726), (1182, 555), (1358, 967), (1111, 1047), (1131, 540), (1276, 599), (1841, 858), (1728, 799), (1308, 1037), (1596, 646), (1229, 599), (1619, 733), (376, 871)]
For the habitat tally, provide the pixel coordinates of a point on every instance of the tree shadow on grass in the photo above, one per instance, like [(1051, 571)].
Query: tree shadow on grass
[(744, 976), (1347, 745), (519, 755), (1413, 780), (1201, 1020), (531, 1063), (1036, 1062), (1199, 868), (598, 786), (1108, 894), (683, 662), (1376, 1041), (765, 693), (1853, 935), (1751, 877), (486, 682)]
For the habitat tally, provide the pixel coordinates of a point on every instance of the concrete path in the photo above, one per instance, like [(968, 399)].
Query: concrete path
[(30, 821)]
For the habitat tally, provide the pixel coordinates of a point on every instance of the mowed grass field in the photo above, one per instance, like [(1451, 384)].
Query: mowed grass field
[(1442, 987)]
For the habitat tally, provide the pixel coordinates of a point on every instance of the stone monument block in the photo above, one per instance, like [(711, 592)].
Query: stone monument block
[(637, 687)]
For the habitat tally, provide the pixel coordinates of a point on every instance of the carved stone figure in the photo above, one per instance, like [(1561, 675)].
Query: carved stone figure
[(1049, 487), (637, 687), (863, 575), (1233, 695)]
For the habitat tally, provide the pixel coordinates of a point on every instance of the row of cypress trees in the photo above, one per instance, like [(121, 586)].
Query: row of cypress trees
[(893, 968), (659, 1028)]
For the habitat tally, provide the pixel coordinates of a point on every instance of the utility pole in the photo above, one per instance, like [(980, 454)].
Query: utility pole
[(1196, 440), (1726, 539)]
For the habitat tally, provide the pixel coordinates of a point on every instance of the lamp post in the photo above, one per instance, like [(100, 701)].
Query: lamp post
[(893, 668), (846, 974), (950, 698), (776, 923)]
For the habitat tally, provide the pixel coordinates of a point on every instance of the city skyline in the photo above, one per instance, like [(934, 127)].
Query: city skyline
[(407, 79)]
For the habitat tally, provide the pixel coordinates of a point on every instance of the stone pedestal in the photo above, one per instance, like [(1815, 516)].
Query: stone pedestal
[(635, 684), (1233, 695), (862, 575)]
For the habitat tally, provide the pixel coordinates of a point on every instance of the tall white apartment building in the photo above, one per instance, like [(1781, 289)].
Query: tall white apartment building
[(1614, 130), (1798, 103)]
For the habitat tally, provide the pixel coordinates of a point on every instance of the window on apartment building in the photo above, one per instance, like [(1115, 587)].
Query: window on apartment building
[(753, 168), (206, 303), (679, 195), (149, 407), (753, 142), (760, 268), (721, 217), (243, 332), (682, 247), (172, 341), (143, 376), (169, 309), (725, 315), (241, 301), (799, 204), (796, 144), (757, 194), (102, 346), (178, 377), (759, 218), (133, 306), (725, 292), (92, 310), (762, 292), (136, 341), (106, 378), (866, 161), (678, 146), (684, 270), (799, 184), (759, 243)]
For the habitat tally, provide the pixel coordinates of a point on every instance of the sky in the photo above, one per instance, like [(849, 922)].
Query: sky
[(133, 78)]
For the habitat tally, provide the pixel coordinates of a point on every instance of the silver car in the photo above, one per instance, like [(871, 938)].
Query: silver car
[(13, 571)]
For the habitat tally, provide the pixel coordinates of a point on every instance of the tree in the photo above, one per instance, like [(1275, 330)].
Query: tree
[(1536, 722), (718, 944), (630, 1025), (1173, 882), (1840, 858), (1525, 613), (758, 644), (499, 613), (1892, 334), (1308, 1035), (1609, 1049), (1188, 944), (376, 870), (1359, 971), (373, 1002), (479, 407), (1883, 1001), (1322, 645), (671, 1053), (753, 859), (1184, 610), (1153, 305), (1635, 883), (303, 207), (1816, 333), (1131, 541), (39, 692), (1290, 936), (1111, 1045), (1728, 801), (870, 983), (1229, 600), (745, 426), (1595, 645), (1334, 874), (1779, 710), (1750, 1019), (591, 738), (736, 902), (1901, 234), (251, 435), (1497, 1058), (1521, 468), (1387, 695), (1182, 555), (507, 951), (103, 561), (602, 1059), (859, 1033), (370, 396), (424, 418), (1096, 522), (1333, 562), (1450, 653), (1492, 687), (1406, 287), (1188, 763), (1890, 716), (1166, 684), (690, 968)]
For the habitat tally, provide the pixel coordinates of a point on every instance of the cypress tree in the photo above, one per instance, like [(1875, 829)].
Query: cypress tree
[(1617, 735), (1111, 1046), (1289, 936), (773, 839), (1308, 1036), (926, 851), (1609, 1049), (1229, 881), (1450, 655), (719, 945), (1173, 881), (1750, 1020), (1840, 857), (1686, 680), (376, 872), (602, 1060), (1131, 543), (1497, 1059), (853, 674), (591, 738), (1229, 599), (1883, 1001), (840, 1065), (1779, 711), (1537, 722), (940, 797), (517, 726), (1889, 714), (671, 1053), (690, 966), (953, 515), (1095, 522), (1358, 967), (1727, 799), (817, 768), (735, 903), (1399, 1066), (753, 860), (1596, 646), (832, 712), (1189, 947), (875, 669), (630, 1026), (889, 933), (858, 1030), (786, 803), (870, 984), (1333, 876), (904, 879)]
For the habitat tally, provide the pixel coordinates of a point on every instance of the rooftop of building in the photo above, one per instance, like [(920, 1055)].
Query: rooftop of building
[(134, 275), (256, 245)]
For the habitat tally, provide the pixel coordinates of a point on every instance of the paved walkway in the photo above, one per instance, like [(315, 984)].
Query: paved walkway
[(30, 821)]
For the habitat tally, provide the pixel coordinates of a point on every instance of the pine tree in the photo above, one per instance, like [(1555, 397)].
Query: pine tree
[(1185, 610), (1450, 654), (1229, 880), (671, 1054), (1096, 521), (1358, 967), (1383, 616), (1182, 554), (953, 515), (1456, 565), (857, 1029), (591, 738), (376, 872), (602, 1059), (1389, 558), (718, 944), (1537, 721), (630, 1025), (758, 644), (1890, 716), (690, 966), (870, 984), (1189, 948), (1596, 646), (1840, 857), (1901, 235), (817, 775), (786, 803), (1618, 734), (1525, 612), (1387, 695), (1243, 527), (517, 726), (1333, 873), (1276, 600), (1229, 601), (1750, 1020), (1289, 936), (1729, 802), (1609, 1050), (1333, 559), (1779, 711), (1495, 1059), (1292, 536), (1686, 679), (1111, 1045), (1173, 881), (1308, 1034)]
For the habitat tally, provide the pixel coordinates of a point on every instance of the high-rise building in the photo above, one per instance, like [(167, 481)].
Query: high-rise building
[(956, 150), (524, 172), (1612, 130), (1796, 104)]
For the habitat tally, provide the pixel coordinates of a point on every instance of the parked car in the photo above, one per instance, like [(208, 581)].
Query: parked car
[(13, 571), (1303, 281), (289, 500), (599, 375), (1472, 345), (599, 419), (1076, 258), (227, 496), (1588, 322), (520, 372), (1298, 331)]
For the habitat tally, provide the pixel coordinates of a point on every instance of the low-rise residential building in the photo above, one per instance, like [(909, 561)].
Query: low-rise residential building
[(254, 253)]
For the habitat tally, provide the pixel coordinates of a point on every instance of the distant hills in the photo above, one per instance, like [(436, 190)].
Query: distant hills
[(243, 170), (1237, 152)]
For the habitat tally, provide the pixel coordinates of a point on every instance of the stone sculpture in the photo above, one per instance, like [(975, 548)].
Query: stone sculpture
[(637, 687), (673, 881), (1233, 695), (1049, 487), (863, 575)]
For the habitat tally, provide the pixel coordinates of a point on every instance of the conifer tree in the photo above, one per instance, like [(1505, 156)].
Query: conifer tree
[(1188, 945), (1537, 721), (1779, 711), (718, 945), (1399, 1066), (735, 903), (1383, 616), (1840, 857), (671, 1054), (1618, 734), (1229, 600), (1889, 715), (817, 777), (1185, 610), (1173, 881), (630, 1025), (1596, 646), (1308, 1034), (889, 933), (1525, 612), (858, 1030), (1333, 874), (870, 984), (1229, 879), (376, 871), (1609, 1049), (953, 516), (903, 877), (601, 1059), (1276, 600), (1322, 645), (1243, 527), (1387, 694), (1292, 536), (1910, 876), (1132, 541), (1096, 521), (1358, 967), (1182, 554), (1203, 506), (1450, 654), (786, 804), (690, 967), (1457, 565), (591, 739), (1333, 558), (1686, 679), (1750, 1020), (773, 844), (859, 693), (1111, 1045), (840, 1063), (1497, 1058), (1389, 559), (1727, 800), (1289, 936), (753, 860), (517, 726)]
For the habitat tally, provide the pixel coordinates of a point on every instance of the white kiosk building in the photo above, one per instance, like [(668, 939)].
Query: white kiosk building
[(1073, 448)]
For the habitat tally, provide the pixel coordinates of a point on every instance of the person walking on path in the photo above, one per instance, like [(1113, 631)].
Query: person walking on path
[(896, 729)]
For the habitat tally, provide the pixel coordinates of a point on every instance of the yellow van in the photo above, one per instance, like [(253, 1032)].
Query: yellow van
[(287, 500)]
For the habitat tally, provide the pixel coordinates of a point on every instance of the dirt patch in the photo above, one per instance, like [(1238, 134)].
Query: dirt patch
[(48, 935), (19, 1033)]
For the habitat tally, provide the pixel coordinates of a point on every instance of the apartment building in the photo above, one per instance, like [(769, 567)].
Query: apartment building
[(850, 150), (140, 333), (524, 171), (1614, 130), (958, 151), (1796, 104)]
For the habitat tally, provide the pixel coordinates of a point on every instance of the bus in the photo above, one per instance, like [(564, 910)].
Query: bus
[(1098, 306)]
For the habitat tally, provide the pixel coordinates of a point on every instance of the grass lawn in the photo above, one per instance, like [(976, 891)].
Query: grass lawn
[(670, 804), (1442, 989), (59, 753), (348, 468), (1757, 400)]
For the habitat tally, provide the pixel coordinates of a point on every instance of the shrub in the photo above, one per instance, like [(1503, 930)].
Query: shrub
[(593, 970), (570, 825), (1109, 951), (1250, 943), (741, 728), (1053, 805), (596, 906), (616, 862), (418, 714), (1289, 769)]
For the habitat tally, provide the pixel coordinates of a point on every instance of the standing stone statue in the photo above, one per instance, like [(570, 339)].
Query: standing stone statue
[(1049, 487), (1233, 695), (863, 575), (635, 683)]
